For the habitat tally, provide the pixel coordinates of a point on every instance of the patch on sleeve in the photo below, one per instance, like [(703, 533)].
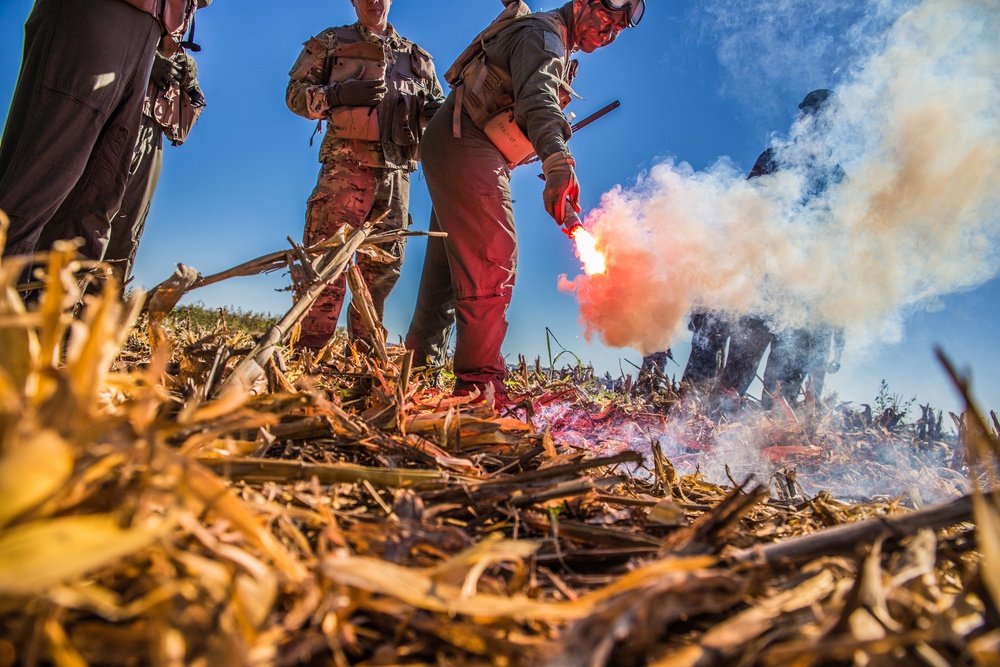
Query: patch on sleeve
[(316, 47)]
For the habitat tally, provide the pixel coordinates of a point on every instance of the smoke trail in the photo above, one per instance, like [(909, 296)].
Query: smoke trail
[(753, 446), (916, 218)]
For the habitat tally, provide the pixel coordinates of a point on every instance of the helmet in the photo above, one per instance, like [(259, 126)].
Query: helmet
[(634, 9), (818, 100)]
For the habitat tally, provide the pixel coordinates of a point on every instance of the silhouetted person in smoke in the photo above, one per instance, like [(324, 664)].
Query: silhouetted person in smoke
[(709, 331), (795, 352)]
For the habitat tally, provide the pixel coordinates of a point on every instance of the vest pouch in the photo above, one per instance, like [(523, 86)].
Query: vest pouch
[(173, 112), (508, 138), (354, 123), (359, 60)]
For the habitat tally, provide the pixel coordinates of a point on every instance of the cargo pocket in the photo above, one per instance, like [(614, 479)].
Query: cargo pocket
[(114, 152), (499, 240), (315, 217)]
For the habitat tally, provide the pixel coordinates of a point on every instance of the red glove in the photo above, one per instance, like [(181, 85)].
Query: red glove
[(561, 187)]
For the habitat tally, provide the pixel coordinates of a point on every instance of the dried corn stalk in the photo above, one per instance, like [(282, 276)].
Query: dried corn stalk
[(353, 515)]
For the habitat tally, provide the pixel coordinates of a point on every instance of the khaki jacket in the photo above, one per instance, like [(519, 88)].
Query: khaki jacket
[(533, 55)]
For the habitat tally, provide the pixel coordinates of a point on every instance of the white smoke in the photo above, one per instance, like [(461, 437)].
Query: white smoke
[(917, 216), (790, 45)]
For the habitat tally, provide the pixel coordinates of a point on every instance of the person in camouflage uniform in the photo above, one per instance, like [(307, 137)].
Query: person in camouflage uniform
[(376, 91), (179, 72), (521, 72)]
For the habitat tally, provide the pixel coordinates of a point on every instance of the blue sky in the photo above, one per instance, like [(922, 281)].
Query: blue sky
[(237, 189)]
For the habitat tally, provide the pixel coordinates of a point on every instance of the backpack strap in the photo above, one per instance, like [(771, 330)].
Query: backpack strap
[(513, 10), (456, 119), (476, 85)]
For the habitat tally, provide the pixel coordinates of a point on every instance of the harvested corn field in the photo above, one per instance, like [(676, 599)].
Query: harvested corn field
[(175, 495)]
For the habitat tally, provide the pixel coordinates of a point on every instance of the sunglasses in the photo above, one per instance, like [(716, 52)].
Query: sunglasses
[(633, 9)]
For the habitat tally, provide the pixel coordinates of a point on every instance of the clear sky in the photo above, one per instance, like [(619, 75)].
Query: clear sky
[(698, 81)]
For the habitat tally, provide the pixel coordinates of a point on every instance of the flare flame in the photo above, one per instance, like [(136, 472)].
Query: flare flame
[(586, 251)]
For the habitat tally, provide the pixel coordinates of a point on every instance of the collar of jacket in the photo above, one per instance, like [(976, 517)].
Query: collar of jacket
[(569, 19), (392, 38), (563, 21)]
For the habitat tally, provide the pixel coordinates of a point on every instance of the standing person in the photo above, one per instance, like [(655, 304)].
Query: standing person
[(75, 116), (656, 362), (376, 90), (800, 355), (795, 352), (513, 84), (174, 100), (709, 331)]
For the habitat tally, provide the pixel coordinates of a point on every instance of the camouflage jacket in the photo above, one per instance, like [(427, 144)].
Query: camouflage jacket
[(390, 135)]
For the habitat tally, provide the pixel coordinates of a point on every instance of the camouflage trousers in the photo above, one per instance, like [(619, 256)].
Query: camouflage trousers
[(351, 194)]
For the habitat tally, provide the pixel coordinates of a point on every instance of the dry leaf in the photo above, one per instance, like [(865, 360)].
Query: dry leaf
[(38, 555)]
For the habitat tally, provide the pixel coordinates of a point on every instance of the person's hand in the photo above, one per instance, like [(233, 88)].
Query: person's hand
[(562, 189), (188, 68), (356, 93), (165, 72)]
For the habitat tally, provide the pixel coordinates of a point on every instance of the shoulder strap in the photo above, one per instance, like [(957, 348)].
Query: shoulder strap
[(513, 10), (345, 33)]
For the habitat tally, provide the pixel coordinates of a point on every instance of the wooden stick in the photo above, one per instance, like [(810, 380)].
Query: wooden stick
[(273, 470), (534, 480), (598, 535), (278, 260), (846, 537), (164, 297), (560, 490), (334, 263)]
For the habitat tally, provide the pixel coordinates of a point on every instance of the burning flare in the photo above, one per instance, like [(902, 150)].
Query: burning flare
[(586, 250)]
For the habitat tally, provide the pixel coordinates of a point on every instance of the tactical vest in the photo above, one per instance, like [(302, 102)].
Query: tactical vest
[(485, 91), (408, 73)]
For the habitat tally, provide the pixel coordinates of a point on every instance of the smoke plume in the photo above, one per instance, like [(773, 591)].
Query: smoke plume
[(916, 217)]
